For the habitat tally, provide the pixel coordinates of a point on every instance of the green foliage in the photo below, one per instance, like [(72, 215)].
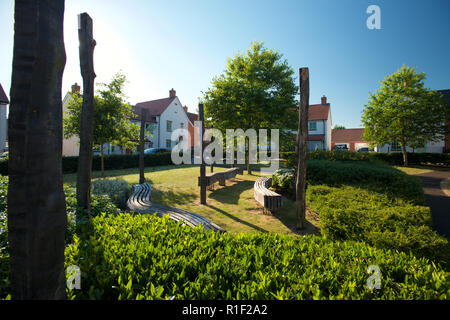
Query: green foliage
[(112, 116), (257, 90), (338, 127), (4, 251), (145, 257), (112, 162), (117, 190), (283, 181), (387, 158), (381, 220), (403, 110)]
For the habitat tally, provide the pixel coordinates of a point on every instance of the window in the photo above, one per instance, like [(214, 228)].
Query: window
[(312, 126), (395, 146), (169, 126), (168, 144), (149, 127), (182, 125)]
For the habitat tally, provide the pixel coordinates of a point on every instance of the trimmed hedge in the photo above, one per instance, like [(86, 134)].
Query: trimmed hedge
[(388, 158), (111, 162), (145, 257)]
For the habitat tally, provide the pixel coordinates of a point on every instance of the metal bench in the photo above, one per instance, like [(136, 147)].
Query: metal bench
[(269, 199), (222, 176), (140, 202)]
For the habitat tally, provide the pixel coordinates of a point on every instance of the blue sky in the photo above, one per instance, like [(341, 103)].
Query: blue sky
[(182, 44)]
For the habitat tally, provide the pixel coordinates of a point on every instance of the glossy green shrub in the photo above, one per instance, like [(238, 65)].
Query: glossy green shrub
[(356, 213), (283, 181), (145, 257), (117, 190)]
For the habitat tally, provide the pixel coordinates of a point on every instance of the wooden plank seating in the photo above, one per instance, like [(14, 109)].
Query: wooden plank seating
[(140, 202), (213, 177), (269, 199)]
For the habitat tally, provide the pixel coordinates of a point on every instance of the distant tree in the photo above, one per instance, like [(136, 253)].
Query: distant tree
[(257, 90), (403, 111), (338, 127), (112, 117)]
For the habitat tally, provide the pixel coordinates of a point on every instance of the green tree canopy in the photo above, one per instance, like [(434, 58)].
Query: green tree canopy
[(256, 90), (112, 116), (404, 111), (338, 127)]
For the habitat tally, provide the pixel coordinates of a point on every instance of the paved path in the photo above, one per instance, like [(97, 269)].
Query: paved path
[(436, 199)]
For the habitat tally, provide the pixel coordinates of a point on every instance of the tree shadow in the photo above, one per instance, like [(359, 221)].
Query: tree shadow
[(248, 224), (230, 194), (169, 197)]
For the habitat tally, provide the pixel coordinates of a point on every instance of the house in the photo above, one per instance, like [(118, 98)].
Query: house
[(433, 147), (352, 138), (319, 126), (4, 101), (166, 115)]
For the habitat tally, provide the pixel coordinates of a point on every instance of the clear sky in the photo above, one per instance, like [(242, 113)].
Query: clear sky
[(181, 44)]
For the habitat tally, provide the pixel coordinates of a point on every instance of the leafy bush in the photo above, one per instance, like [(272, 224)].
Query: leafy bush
[(145, 257), (77, 220), (352, 213), (388, 158), (283, 181), (117, 190), (112, 162)]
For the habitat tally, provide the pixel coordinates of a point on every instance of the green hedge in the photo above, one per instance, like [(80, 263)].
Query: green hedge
[(389, 158), (112, 162), (145, 257)]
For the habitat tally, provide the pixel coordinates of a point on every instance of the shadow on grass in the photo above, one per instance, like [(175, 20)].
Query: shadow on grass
[(248, 224), (230, 194)]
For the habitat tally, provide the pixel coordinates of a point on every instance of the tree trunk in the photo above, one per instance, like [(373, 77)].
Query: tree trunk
[(36, 202), (249, 166), (301, 148), (84, 171), (141, 147), (202, 165), (102, 162), (405, 154)]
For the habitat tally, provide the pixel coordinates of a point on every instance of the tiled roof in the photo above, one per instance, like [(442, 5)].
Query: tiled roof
[(138, 112), (192, 117), (315, 137), (3, 96), (318, 112), (347, 135), (156, 107)]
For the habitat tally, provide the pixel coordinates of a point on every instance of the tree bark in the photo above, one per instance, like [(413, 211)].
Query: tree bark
[(405, 154), (202, 165), (102, 161), (87, 44), (249, 166), (141, 147), (301, 148), (36, 202)]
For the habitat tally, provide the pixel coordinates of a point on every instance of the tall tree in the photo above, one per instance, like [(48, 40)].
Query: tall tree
[(112, 117), (338, 127), (142, 146), (402, 110), (36, 202), (257, 90)]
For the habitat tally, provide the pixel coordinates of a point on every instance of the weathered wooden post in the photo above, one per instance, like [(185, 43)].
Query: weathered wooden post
[(142, 146), (301, 148), (87, 44), (36, 203), (202, 165)]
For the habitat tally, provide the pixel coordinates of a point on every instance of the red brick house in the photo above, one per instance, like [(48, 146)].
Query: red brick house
[(352, 138)]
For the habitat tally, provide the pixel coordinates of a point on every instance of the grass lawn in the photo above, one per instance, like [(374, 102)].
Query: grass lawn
[(232, 207), (419, 169)]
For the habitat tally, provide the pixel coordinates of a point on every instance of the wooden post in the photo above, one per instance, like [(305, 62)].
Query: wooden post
[(202, 165), (36, 203), (301, 148), (142, 146), (87, 44)]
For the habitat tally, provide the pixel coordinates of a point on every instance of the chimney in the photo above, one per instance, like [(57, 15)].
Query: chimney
[(185, 108), (324, 99), (76, 88), (172, 93)]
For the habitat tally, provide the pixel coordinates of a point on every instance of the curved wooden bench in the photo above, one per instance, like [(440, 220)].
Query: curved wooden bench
[(140, 202), (269, 199)]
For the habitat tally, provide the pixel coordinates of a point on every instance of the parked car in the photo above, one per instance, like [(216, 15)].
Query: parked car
[(363, 150), (155, 150), (340, 147)]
